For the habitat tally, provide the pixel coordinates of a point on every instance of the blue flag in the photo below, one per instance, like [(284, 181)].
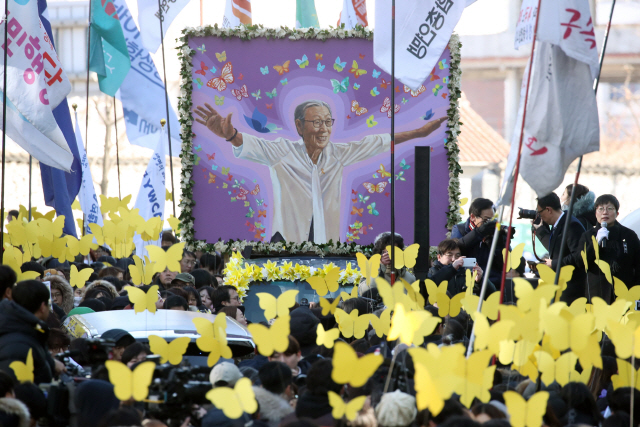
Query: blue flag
[(61, 188)]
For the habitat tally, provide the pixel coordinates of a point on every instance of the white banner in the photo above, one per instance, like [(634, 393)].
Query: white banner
[(354, 12), (87, 194), (237, 12), (142, 114), (561, 123), (152, 193), (149, 16), (36, 84), (526, 22), (423, 29)]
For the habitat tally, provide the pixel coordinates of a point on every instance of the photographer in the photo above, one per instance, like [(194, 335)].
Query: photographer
[(475, 236), (550, 213)]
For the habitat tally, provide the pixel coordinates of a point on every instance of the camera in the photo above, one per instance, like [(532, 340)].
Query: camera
[(527, 213)]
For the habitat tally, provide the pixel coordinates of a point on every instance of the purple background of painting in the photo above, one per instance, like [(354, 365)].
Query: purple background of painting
[(216, 216)]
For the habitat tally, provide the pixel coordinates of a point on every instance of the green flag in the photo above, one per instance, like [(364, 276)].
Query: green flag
[(109, 55), (306, 15)]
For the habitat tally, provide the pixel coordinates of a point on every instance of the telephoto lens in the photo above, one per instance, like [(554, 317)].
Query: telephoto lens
[(527, 213)]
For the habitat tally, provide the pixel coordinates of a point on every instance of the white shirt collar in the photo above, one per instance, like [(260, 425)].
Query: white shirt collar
[(556, 224)]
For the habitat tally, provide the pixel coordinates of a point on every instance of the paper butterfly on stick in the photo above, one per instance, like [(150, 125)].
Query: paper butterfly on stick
[(324, 285), (143, 301), (24, 370), (166, 259), (270, 340), (213, 338), (129, 384), (340, 408), (169, 351), (277, 307), (349, 369), (234, 401)]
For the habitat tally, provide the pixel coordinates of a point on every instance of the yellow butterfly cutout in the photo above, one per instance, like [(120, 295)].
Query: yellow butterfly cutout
[(82, 246), (277, 307), (129, 384), (428, 394), (326, 338), (368, 267), (604, 312), (527, 325), (270, 340), (76, 205), (627, 376), (324, 285), (449, 306), (349, 369), (56, 248), (433, 290), (222, 57), (406, 257), (530, 299), (514, 257), (329, 307), (400, 293), (169, 259), (169, 351), (13, 258), (213, 338), (342, 409), (463, 202), (141, 274), (583, 254), (143, 301), (168, 196), (604, 266), (555, 370), (352, 325), (112, 204), (548, 276), (523, 360), (622, 292), (577, 307), (97, 232), (174, 223), (625, 338), (526, 413), (357, 72), (51, 229), (234, 401), (354, 294), (24, 371), (150, 230), (489, 306), (382, 324), (412, 327), (491, 336), (476, 378), (77, 278)]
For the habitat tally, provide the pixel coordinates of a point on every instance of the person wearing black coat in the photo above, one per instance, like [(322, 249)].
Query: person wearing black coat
[(23, 327), (551, 214), (448, 268), (617, 245)]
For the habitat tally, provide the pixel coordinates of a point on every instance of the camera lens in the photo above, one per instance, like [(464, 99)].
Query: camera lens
[(527, 213)]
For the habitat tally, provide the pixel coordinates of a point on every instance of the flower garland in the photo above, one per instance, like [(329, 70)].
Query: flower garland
[(185, 105), (241, 277)]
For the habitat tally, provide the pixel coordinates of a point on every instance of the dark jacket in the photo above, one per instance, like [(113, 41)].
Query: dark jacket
[(585, 211), (314, 407), (622, 252), (552, 239), (456, 278), (473, 244), (21, 330)]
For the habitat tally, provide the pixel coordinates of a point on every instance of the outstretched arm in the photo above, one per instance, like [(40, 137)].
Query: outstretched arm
[(420, 132), (220, 126)]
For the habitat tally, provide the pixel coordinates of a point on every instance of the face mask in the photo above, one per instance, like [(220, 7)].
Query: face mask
[(76, 301), (565, 207)]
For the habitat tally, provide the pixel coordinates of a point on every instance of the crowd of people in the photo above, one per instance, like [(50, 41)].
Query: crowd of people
[(293, 388)]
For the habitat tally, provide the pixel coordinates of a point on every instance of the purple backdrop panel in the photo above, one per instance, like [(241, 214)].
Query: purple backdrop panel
[(265, 186)]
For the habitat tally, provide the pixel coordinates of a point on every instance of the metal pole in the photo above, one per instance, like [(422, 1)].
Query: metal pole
[(393, 136), (563, 242), (115, 123), (166, 100), (30, 168), (86, 127), (201, 13), (4, 120)]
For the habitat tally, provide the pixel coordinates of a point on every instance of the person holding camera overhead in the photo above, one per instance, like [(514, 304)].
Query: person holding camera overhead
[(550, 214), (618, 246), (475, 235)]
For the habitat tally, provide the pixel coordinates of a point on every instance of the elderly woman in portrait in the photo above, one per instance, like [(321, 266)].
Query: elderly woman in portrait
[(306, 174)]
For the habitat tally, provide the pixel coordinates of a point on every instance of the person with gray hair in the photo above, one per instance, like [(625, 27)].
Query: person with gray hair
[(306, 174)]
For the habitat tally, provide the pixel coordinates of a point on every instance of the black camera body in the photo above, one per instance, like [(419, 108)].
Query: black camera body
[(527, 213)]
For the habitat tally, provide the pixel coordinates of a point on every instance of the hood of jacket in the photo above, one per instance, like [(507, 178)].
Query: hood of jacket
[(273, 408), (313, 406), (104, 284), (59, 283), (17, 319), (584, 204), (14, 413)]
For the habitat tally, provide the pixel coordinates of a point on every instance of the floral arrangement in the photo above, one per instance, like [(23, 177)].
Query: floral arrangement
[(185, 106), (241, 275)]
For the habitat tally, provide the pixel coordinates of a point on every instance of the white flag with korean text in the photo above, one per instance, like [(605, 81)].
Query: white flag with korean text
[(561, 122), (423, 29), (150, 12), (36, 84), (354, 12), (237, 12), (142, 114), (152, 193), (87, 194)]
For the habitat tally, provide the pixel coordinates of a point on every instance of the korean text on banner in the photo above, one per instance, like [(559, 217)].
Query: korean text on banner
[(36, 84), (526, 22), (423, 29), (142, 114), (150, 13)]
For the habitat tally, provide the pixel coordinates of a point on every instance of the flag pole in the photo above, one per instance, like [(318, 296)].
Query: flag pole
[(86, 127), (393, 122), (166, 101), (75, 111), (575, 181), (115, 123), (4, 121), (30, 168), (200, 16), (494, 242)]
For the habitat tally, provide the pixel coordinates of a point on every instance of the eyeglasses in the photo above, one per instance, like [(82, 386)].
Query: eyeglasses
[(189, 262), (317, 123), (602, 209), (452, 255), (236, 298), (540, 211)]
